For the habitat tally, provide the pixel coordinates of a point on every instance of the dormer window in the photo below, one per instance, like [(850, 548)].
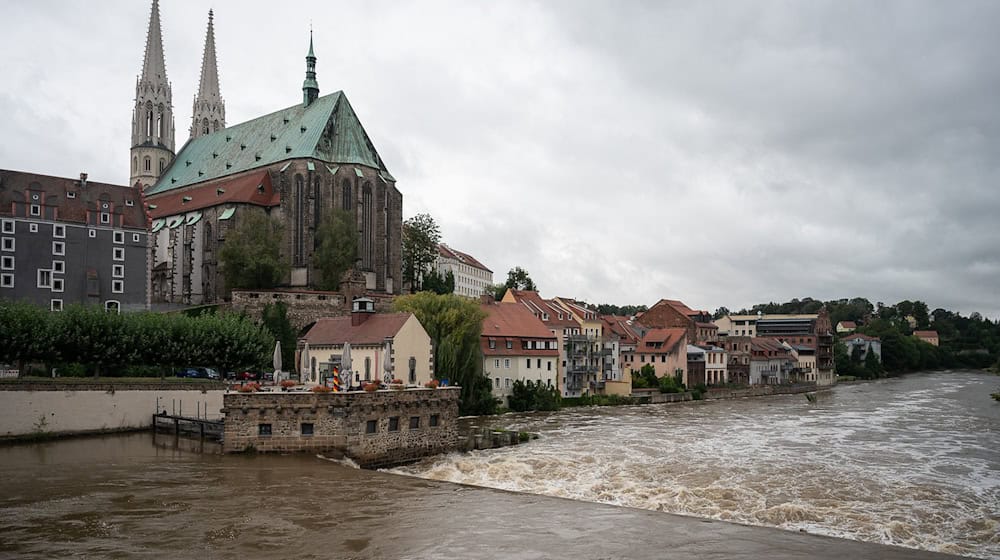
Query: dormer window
[(510, 345)]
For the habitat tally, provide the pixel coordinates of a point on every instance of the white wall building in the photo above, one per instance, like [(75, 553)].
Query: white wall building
[(472, 278)]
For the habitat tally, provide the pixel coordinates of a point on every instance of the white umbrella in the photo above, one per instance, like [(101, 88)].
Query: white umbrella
[(305, 369), (277, 360), (345, 364), (387, 362)]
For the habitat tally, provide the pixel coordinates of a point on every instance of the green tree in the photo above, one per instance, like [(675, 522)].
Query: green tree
[(873, 367), (439, 283), (274, 318), (27, 334), (645, 377), (336, 248), (519, 279), (455, 325), (421, 237), (497, 291), (251, 254)]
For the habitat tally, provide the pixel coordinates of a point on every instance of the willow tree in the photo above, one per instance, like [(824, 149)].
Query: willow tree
[(455, 325)]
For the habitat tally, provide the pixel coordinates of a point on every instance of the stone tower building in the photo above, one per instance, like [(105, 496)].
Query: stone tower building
[(209, 111), (153, 114)]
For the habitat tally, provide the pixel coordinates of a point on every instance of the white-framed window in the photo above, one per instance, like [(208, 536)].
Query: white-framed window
[(57, 284), (44, 278), (128, 202), (506, 363), (112, 306), (7, 244), (117, 286), (119, 253), (119, 237), (496, 363), (55, 305), (35, 210), (118, 271), (7, 226), (58, 230), (135, 238), (58, 267), (6, 280), (70, 194), (33, 228), (92, 233), (7, 262), (58, 248), (105, 218)]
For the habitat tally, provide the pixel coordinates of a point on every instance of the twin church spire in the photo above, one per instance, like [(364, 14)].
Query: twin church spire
[(153, 146)]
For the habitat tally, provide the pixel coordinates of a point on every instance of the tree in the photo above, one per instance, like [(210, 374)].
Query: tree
[(439, 283), (497, 291), (336, 248), (455, 325), (274, 318), (518, 279), (421, 237), (251, 254), (873, 367)]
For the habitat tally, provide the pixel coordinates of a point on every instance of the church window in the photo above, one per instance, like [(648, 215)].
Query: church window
[(135, 164), (347, 194), (368, 227), (147, 164), (159, 125), (163, 164), (215, 126), (149, 123), (204, 126)]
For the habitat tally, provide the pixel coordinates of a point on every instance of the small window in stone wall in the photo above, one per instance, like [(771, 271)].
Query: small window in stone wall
[(414, 422), (394, 424), (435, 419), (263, 429), (307, 429), (371, 427)]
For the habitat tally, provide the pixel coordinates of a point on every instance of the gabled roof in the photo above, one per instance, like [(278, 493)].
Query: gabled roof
[(86, 196), (668, 339), (538, 306), (250, 188), (847, 324), (449, 253), (620, 325), (336, 331), (855, 336), (925, 334), (512, 320), (327, 130)]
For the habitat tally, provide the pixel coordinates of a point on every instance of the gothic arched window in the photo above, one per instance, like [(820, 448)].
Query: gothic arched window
[(135, 164), (347, 194), (163, 164), (159, 125), (147, 164), (204, 126)]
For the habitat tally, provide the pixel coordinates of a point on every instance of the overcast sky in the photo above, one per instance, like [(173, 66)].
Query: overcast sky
[(721, 153)]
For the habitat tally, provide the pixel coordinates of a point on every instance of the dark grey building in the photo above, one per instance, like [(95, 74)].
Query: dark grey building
[(65, 241)]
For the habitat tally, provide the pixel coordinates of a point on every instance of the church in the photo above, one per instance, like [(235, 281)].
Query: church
[(292, 165)]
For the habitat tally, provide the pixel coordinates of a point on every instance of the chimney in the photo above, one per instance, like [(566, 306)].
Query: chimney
[(361, 310), (83, 179)]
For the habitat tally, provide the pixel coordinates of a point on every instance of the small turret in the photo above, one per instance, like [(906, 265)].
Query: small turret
[(310, 87)]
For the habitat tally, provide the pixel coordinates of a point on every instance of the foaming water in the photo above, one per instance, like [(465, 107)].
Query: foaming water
[(911, 461)]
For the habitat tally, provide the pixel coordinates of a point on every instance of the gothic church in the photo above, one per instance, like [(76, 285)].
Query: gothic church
[(293, 165)]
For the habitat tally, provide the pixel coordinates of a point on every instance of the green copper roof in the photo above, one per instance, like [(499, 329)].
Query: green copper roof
[(327, 130)]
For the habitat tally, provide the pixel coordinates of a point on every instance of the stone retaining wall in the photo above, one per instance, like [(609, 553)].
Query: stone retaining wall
[(759, 391), (357, 424), (305, 306)]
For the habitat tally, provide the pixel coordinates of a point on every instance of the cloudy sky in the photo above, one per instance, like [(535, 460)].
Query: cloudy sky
[(721, 153)]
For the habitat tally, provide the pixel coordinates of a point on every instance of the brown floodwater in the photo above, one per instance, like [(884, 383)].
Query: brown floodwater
[(928, 470)]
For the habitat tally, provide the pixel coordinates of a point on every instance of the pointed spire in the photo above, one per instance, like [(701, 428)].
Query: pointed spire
[(310, 87), (208, 87), (209, 111), (154, 69)]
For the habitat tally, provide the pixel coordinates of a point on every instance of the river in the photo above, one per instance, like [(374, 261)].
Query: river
[(911, 461)]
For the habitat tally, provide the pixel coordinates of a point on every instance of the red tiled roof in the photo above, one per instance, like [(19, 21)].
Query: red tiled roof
[(512, 319), (537, 306), (669, 338), (249, 188), (925, 334), (448, 252), (847, 324), (619, 325), (862, 337), (338, 330), (86, 198), (707, 326)]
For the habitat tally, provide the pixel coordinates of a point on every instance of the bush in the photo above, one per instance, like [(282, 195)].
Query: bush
[(529, 395), (669, 384)]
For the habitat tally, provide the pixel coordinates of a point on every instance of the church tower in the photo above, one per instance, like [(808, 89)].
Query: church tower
[(310, 87), (209, 113), (153, 114)]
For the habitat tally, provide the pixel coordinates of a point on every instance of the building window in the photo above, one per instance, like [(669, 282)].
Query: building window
[(497, 381), (44, 278), (128, 202), (7, 262), (6, 280), (414, 422), (496, 363), (8, 244), (117, 286), (413, 369), (118, 271), (263, 429), (119, 237), (135, 238), (112, 306), (105, 218), (33, 228), (8, 226), (549, 364), (394, 423), (506, 363), (119, 253), (35, 210), (528, 366), (58, 248), (493, 344), (306, 429), (58, 230), (55, 305), (506, 382), (435, 420), (371, 426), (147, 163), (92, 233), (510, 345), (57, 284)]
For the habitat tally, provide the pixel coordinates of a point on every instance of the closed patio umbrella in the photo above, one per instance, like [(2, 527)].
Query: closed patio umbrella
[(387, 362), (305, 366), (277, 360)]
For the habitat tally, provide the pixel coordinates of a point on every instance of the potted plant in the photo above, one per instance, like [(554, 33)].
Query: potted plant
[(287, 384), (397, 384), (321, 389), (370, 387), (432, 384)]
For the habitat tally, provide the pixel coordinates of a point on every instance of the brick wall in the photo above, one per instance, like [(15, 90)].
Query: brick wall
[(340, 423)]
